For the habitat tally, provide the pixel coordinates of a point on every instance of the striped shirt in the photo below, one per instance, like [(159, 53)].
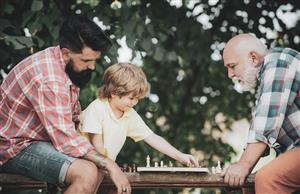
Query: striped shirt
[(276, 117), (39, 103)]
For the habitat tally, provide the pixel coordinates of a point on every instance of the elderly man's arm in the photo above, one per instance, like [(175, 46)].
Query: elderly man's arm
[(236, 174)]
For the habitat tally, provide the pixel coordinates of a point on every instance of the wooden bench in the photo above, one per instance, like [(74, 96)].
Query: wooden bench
[(137, 181)]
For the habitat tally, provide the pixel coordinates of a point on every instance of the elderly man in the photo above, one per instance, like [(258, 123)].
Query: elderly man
[(40, 111), (276, 117)]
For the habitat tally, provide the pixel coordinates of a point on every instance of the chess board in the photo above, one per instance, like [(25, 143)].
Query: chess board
[(173, 169)]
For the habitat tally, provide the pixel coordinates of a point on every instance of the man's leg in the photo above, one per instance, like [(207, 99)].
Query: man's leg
[(43, 162), (83, 176), (280, 176)]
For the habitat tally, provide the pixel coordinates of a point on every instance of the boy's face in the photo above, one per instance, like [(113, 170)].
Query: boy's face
[(124, 103)]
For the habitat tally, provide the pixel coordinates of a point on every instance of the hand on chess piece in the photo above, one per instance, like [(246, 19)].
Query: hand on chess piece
[(188, 160)]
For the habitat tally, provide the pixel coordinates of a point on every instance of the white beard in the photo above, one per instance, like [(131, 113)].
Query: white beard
[(248, 81)]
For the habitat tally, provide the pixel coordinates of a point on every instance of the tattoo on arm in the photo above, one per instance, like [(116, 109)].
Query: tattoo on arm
[(100, 160)]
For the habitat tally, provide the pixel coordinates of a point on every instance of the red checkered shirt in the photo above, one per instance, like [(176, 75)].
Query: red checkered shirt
[(39, 103)]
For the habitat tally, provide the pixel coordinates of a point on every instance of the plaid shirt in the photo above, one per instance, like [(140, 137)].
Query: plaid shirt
[(39, 103), (276, 117)]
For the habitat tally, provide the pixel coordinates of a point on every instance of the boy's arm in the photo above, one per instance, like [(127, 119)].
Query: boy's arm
[(97, 142), (160, 144)]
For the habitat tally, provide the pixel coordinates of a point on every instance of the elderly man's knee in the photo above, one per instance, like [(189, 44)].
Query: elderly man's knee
[(264, 176)]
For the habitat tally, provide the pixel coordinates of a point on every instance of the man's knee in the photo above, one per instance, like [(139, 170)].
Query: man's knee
[(264, 175), (84, 174), (266, 179)]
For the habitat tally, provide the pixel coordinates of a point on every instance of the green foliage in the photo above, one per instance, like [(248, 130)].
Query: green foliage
[(177, 49)]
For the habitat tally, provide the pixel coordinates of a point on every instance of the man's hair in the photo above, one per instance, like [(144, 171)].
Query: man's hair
[(78, 31), (124, 79)]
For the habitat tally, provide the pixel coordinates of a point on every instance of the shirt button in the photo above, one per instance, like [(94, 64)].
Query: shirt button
[(272, 140)]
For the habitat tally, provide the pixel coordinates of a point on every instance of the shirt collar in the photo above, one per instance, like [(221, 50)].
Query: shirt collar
[(58, 55), (259, 72), (112, 114)]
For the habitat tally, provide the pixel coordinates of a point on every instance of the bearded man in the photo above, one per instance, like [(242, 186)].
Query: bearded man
[(40, 111), (276, 117)]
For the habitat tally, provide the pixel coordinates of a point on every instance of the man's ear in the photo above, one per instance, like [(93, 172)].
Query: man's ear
[(254, 58), (66, 54)]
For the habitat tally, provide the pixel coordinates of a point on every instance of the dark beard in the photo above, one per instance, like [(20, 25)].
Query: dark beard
[(80, 79)]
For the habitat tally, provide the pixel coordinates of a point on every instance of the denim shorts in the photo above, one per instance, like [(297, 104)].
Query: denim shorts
[(40, 161)]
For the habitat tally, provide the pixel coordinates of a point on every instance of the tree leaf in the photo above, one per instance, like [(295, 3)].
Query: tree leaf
[(36, 5), (8, 8), (19, 42)]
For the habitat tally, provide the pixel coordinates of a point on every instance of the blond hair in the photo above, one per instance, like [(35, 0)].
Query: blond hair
[(122, 79)]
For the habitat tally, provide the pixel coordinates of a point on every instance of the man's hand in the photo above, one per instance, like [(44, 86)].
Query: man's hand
[(235, 175), (119, 179), (188, 160), (115, 173)]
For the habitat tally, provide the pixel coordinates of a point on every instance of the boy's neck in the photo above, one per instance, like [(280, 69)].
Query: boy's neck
[(117, 112)]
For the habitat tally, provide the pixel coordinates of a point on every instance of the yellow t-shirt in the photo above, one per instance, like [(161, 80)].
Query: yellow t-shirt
[(98, 118)]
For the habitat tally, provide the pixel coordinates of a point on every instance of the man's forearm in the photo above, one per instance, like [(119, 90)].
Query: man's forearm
[(252, 154), (100, 160)]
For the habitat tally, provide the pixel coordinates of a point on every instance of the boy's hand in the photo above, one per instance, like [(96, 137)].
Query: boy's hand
[(188, 160)]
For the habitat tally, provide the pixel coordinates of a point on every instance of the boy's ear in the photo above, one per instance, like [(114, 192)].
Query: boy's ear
[(113, 96)]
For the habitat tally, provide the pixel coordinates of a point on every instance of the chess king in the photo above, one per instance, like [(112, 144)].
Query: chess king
[(111, 118)]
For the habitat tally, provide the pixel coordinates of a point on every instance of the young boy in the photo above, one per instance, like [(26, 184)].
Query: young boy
[(109, 119)]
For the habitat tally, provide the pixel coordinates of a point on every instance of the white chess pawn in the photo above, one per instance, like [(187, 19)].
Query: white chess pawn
[(161, 163), (213, 170), (148, 161), (155, 164), (219, 168)]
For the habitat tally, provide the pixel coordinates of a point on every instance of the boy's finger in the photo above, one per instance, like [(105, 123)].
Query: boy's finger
[(195, 162)]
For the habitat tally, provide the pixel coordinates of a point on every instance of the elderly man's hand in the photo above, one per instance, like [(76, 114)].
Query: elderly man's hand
[(235, 175)]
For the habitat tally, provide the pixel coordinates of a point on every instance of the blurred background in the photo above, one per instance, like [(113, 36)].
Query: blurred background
[(179, 44)]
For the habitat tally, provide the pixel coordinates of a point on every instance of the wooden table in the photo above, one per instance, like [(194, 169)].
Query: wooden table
[(13, 181), (137, 180), (175, 180)]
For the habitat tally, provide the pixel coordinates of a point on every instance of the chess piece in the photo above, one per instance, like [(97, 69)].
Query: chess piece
[(129, 169), (148, 161), (170, 164), (213, 170), (219, 168), (155, 164), (133, 168), (201, 163), (125, 167), (161, 163)]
